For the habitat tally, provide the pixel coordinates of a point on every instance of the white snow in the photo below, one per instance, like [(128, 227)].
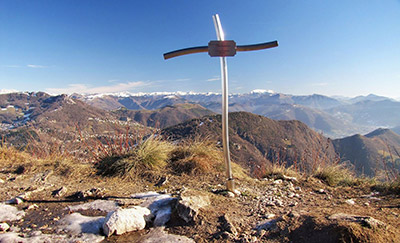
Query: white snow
[(170, 97), (10, 213), (77, 223), (103, 205), (39, 237), (262, 91)]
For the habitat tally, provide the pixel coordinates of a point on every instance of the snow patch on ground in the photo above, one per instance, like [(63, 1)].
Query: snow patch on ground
[(77, 223), (103, 205), (10, 213), (39, 237)]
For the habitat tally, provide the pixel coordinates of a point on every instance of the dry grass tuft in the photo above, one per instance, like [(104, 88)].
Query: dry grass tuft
[(196, 156), (17, 161), (336, 175), (279, 171), (149, 154)]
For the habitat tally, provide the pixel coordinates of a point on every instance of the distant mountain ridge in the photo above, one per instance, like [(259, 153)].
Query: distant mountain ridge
[(332, 117)]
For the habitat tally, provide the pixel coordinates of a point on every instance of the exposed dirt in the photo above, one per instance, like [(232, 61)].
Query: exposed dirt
[(266, 211)]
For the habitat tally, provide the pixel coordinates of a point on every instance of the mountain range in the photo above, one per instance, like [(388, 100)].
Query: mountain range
[(255, 139), (333, 117)]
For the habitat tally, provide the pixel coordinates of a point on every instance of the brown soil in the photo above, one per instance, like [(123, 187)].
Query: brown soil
[(300, 214)]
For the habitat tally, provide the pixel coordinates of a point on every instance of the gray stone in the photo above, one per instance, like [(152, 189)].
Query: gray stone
[(15, 200), (4, 227), (188, 207), (270, 216), (59, 192), (125, 220), (289, 178), (363, 220), (227, 225)]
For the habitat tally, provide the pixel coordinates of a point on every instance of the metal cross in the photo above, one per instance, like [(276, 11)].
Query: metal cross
[(222, 48)]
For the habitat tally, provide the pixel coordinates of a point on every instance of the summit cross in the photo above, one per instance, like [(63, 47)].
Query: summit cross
[(223, 48)]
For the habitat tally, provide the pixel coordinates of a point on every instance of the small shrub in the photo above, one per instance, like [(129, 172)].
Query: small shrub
[(150, 154)]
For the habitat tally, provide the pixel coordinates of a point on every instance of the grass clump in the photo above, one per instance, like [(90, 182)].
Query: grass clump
[(336, 175), (150, 154), (279, 171), (196, 156), (9, 155)]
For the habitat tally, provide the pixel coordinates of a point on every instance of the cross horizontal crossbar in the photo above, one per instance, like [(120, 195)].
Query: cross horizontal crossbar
[(200, 49)]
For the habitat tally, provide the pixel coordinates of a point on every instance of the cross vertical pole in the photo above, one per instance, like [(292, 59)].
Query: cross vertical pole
[(225, 128), (222, 48)]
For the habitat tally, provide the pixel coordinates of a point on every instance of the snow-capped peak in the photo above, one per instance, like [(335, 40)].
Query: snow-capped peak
[(262, 91)]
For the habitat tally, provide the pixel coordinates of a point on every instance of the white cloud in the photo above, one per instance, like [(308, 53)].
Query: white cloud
[(215, 78), (6, 91), (11, 66), (182, 79), (85, 89), (36, 66)]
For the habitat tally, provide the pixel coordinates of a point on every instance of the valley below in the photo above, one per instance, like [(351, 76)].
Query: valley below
[(306, 168)]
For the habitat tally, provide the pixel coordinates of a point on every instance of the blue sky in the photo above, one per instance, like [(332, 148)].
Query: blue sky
[(338, 47)]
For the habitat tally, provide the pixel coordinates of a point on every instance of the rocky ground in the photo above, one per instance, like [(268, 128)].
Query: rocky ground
[(45, 207)]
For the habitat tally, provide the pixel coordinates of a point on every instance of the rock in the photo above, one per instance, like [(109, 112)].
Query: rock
[(363, 220), (94, 192), (366, 204), (125, 220), (277, 182), (25, 195), (1, 181), (15, 200), (350, 201), (188, 207), (4, 227), (226, 225), (163, 215), (268, 224), (289, 178), (321, 191), (10, 213), (270, 216), (32, 206), (160, 206), (157, 235), (163, 180), (230, 194), (297, 188), (59, 192)]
